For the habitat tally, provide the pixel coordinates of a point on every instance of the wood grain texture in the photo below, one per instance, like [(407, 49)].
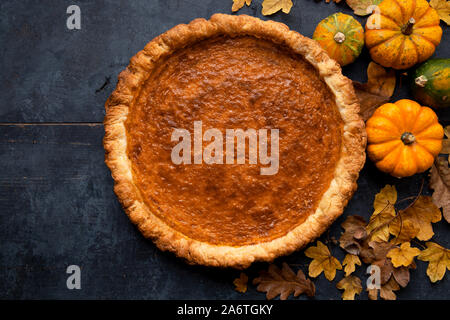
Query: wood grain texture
[(56, 195)]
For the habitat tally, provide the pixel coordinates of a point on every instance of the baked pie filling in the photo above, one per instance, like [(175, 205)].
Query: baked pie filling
[(228, 83)]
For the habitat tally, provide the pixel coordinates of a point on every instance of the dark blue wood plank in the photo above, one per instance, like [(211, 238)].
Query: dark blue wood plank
[(51, 74), (58, 208)]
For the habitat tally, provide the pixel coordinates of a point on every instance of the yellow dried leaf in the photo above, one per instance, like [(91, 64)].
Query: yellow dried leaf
[(272, 6), (438, 258), (403, 256), (419, 218), (380, 81), (350, 262), (238, 4), (384, 212), (361, 7), (404, 230), (241, 283), (323, 261), (443, 9), (351, 286)]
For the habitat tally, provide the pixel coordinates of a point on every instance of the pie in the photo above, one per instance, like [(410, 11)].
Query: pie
[(234, 72)]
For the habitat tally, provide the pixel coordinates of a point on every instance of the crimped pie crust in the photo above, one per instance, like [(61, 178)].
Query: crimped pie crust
[(334, 199)]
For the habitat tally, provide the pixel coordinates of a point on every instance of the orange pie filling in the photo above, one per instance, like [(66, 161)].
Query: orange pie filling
[(231, 83)]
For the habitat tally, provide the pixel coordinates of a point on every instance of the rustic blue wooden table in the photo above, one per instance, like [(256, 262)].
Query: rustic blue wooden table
[(57, 206)]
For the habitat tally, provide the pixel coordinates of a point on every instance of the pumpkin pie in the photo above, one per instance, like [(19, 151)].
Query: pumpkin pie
[(233, 72)]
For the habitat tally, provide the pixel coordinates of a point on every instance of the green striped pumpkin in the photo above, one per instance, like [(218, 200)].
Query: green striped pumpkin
[(431, 83), (341, 36)]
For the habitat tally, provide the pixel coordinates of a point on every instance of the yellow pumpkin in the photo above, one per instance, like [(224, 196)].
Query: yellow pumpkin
[(341, 36), (403, 138), (402, 33)]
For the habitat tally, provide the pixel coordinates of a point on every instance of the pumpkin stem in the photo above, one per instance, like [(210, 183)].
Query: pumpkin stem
[(408, 27), (421, 81), (408, 138), (339, 37)]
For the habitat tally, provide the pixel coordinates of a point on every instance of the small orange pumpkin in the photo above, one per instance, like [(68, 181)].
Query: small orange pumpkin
[(402, 33), (341, 36), (403, 138)]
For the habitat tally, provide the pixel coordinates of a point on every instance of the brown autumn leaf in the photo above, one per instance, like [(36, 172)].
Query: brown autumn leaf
[(272, 6), (443, 9), (446, 143), (335, 1), (240, 283), (416, 220), (283, 282), (440, 183), (375, 253), (401, 275), (238, 4), (355, 233), (368, 102), (351, 286), (322, 261), (350, 262), (361, 7), (445, 146), (376, 91), (403, 256), (386, 291), (438, 258), (372, 294), (384, 212)]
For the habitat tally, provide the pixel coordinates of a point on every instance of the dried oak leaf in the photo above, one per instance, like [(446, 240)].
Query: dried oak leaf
[(240, 283), (355, 233), (283, 282), (440, 183), (350, 262), (322, 261), (362, 7), (403, 256), (438, 258), (238, 4), (376, 91), (443, 9), (351, 286), (416, 220), (271, 6), (384, 212)]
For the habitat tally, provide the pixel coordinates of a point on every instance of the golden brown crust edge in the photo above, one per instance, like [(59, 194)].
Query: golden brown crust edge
[(332, 203)]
